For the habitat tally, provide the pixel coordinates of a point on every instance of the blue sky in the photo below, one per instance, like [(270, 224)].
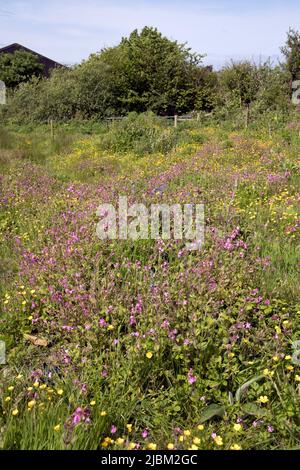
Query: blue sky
[(69, 30)]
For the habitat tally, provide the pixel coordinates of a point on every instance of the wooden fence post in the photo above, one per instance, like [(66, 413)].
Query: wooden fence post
[(175, 120), (51, 129)]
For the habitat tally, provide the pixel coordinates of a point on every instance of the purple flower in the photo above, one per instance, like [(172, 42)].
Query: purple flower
[(113, 429), (191, 378)]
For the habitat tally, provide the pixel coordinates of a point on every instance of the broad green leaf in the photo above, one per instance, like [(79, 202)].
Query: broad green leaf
[(211, 411), (253, 409), (243, 388)]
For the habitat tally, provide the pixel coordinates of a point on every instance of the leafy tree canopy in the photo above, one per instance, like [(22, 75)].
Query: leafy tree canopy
[(19, 67), (291, 51)]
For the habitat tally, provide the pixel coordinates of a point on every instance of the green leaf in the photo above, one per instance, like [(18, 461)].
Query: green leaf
[(253, 409), (243, 388), (211, 411)]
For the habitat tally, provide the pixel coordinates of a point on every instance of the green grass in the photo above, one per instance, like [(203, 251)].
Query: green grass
[(142, 335)]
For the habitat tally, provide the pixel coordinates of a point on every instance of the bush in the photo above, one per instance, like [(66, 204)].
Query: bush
[(141, 134)]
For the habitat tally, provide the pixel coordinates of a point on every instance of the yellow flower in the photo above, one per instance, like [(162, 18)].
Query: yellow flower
[(235, 447), (36, 384), (200, 427), (129, 427), (10, 389), (289, 367), (103, 413), (29, 389), (7, 399), (31, 404), (15, 412), (187, 432), (110, 327), (193, 447), (237, 427), (152, 446), (297, 378), (181, 438), (30, 317), (57, 428), (196, 440), (60, 392), (19, 376), (149, 355), (219, 440), (93, 403), (263, 399), (43, 387), (120, 441), (170, 446), (131, 445)]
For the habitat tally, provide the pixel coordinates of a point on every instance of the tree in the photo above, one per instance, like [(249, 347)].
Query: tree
[(19, 67), (291, 51), (152, 72), (240, 81)]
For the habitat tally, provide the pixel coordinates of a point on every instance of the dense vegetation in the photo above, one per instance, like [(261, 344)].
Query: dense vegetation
[(19, 67), (148, 72), (146, 345), (143, 344)]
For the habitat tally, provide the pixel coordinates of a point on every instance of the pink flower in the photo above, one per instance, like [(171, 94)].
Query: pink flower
[(191, 378), (113, 429)]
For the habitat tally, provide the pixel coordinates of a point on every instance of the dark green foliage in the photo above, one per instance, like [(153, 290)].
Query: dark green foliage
[(291, 51), (19, 67)]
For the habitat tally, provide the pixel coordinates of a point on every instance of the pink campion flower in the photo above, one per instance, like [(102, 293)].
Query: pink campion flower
[(191, 378), (213, 435), (145, 434), (77, 416), (165, 324), (270, 429), (132, 320), (113, 429), (102, 322)]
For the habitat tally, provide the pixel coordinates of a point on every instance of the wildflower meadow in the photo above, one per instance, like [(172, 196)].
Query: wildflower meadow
[(144, 344)]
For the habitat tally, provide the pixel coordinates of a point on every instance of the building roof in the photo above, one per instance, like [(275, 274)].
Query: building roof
[(48, 63)]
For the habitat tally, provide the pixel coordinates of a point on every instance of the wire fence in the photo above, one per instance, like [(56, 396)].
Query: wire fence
[(175, 118)]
